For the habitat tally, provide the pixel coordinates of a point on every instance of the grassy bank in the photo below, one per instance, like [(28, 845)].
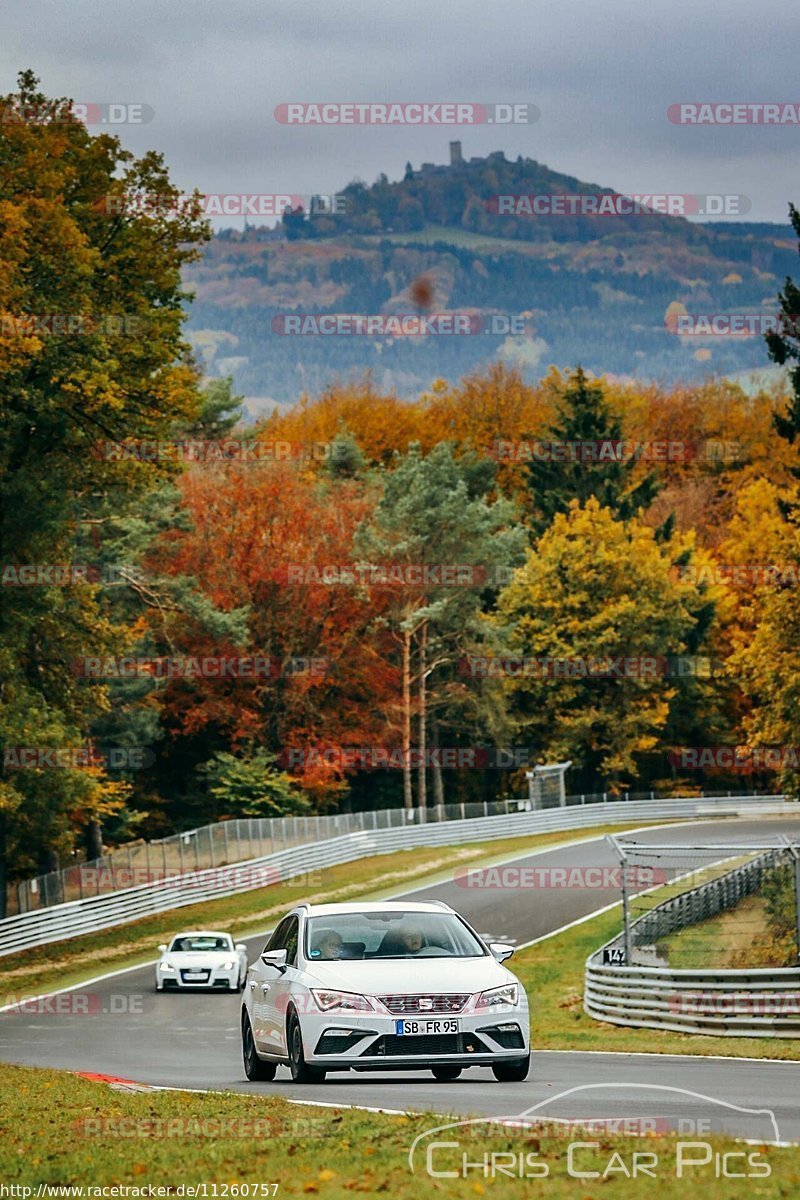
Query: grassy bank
[(62, 1130)]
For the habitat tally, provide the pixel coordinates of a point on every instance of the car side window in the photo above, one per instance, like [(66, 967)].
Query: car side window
[(276, 942), (290, 941)]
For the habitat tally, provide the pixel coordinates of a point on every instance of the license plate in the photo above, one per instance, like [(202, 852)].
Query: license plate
[(195, 974), (410, 1028)]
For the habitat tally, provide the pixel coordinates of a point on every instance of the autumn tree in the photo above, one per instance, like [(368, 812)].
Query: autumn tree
[(783, 345), (434, 514), (596, 612), (556, 479), (90, 349)]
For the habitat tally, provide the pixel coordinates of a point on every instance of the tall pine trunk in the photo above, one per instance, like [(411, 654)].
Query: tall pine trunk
[(408, 799), (3, 868), (423, 717), (438, 785)]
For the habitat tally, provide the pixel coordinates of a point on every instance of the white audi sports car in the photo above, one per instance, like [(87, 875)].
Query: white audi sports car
[(202, 959), (374, 987)]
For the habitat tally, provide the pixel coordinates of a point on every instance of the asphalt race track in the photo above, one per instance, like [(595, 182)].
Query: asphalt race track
[(192, 1040)]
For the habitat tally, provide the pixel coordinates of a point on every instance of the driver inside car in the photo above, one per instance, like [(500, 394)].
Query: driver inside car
[(329, 945)]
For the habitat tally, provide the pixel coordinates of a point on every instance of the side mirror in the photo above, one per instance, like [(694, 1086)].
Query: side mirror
[(275, 958), (501, 950), (163, 948), (240, 946)]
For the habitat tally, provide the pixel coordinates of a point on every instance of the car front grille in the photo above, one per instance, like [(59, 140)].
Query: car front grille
[(449, 1003), (427, 1045)]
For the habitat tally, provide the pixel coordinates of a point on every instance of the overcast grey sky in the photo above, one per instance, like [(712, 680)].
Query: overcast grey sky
[(603, 75)]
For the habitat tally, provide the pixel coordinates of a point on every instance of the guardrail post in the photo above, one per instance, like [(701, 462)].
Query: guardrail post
[(626, 925), (793, 850)]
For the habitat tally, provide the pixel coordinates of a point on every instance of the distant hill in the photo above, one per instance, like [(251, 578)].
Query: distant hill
[(588, 289)]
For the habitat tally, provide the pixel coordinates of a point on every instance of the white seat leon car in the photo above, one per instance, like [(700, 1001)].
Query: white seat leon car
[(201, 959), (375, 987)]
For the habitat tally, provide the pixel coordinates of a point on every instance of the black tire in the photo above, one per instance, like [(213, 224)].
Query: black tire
[(254, 1067), (301, 1072), (446, 1073), (514, 1070)]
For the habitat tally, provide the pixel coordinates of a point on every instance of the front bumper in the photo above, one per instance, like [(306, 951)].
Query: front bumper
[(213, 977), (370, 1041)]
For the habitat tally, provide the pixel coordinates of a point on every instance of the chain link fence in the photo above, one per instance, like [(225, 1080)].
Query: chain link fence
[(240, 839), (726, 906)]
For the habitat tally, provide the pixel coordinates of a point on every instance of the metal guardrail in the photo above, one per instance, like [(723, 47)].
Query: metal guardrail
[(95, 913), (747, 1002), (732, 1003), (242, 839)]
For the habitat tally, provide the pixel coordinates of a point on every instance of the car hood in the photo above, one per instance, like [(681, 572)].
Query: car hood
[(404, 976), (187, 960)]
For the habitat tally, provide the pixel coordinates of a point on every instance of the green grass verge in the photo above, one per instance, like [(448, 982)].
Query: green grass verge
[(62, 964), (62, 1130), (723, 941), (552, 972)]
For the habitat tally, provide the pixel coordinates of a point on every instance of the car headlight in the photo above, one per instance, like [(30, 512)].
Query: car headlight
[(166, 967), (228, 966), (343, 1001), (501, 997)]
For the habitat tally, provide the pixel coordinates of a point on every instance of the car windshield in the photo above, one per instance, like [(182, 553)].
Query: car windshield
[(390, 935), (193, 944)]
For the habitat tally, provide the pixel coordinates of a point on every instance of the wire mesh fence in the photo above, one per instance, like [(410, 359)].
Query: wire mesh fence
[(726, 906), (240, 839)]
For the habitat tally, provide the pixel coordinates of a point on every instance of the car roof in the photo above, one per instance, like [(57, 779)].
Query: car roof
[(202, 933), (421, 906)]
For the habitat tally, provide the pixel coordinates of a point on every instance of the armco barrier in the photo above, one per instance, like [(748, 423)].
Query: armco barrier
[(747, 1002), (102, 912)]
